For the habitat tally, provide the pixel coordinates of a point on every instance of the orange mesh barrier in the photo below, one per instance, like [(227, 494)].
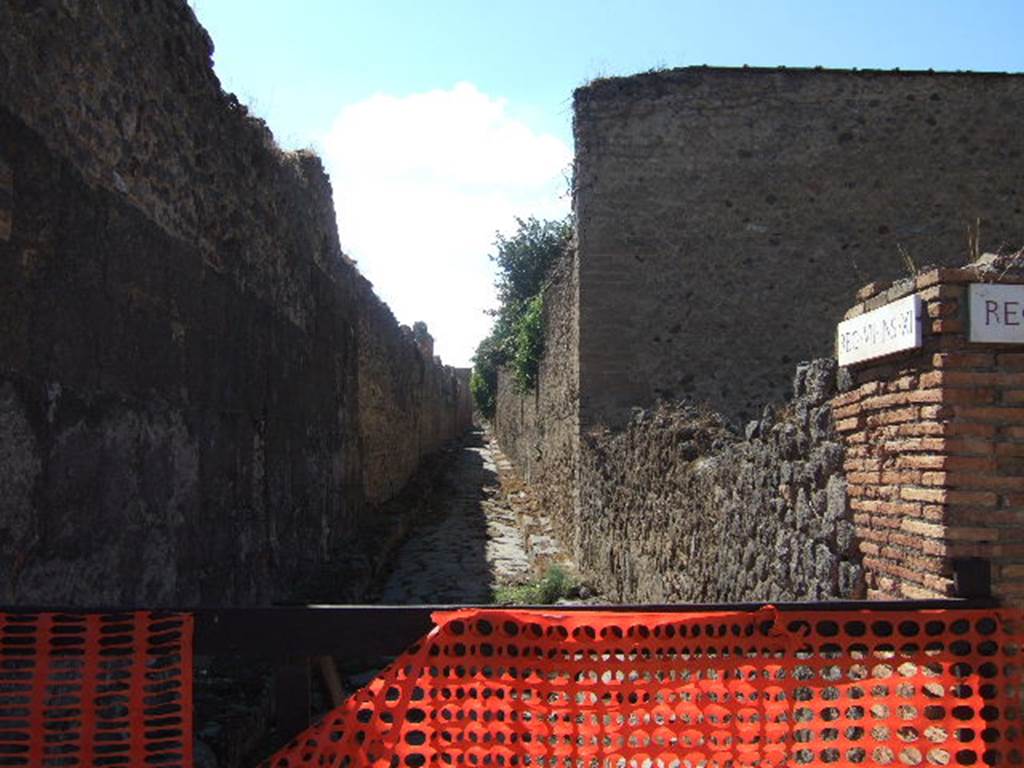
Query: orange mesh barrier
[(95, 689), (766, 688)]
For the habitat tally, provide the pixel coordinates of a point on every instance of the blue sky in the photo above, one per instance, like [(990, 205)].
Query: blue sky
[(441, 120)]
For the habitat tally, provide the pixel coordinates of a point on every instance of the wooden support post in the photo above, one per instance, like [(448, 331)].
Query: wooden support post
[(329, 670)]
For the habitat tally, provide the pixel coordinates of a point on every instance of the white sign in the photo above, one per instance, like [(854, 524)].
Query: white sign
[(880, 332), (997, 313)]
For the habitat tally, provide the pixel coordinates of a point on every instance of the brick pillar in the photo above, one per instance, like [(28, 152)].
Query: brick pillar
[(935, 448)]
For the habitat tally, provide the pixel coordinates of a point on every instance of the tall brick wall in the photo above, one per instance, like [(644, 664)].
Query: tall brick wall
[(190, 369), (935, 447), (726, 215)]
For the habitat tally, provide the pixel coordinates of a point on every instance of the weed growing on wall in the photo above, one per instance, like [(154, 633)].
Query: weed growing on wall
[(529, 344), (556, 584), (517, 337)]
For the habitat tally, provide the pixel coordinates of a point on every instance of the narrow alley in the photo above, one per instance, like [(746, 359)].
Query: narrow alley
[(487, 540)]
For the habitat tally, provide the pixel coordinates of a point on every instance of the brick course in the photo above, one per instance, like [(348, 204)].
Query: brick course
[(935, 447)]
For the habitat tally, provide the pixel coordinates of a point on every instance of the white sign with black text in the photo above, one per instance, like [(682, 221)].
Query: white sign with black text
[(890, 328), (997, 313)]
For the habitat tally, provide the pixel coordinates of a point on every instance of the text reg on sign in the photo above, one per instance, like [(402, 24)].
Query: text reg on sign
[(997, 313)]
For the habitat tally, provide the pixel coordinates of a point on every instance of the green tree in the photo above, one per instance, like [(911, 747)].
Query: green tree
[(517, 336)]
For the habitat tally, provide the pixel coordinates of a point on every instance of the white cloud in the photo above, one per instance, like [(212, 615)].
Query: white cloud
[(421, 184)]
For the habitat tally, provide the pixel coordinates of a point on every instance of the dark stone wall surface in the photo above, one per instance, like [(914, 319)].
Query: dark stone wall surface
[(184, 348), (677, 507), (726, 215), (539, 430)]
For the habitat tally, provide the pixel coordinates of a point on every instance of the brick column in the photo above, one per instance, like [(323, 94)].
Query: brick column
[(935, 448)]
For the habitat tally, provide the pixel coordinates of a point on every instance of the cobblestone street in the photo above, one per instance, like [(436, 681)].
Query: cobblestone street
[(478, 544)]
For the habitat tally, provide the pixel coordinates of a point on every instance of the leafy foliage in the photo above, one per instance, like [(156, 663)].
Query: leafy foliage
[(517, 337), (529, 344), (554, 585)]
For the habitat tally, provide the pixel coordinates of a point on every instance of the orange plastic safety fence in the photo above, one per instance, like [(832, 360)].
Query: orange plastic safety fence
[(95, 689), (765, 688)]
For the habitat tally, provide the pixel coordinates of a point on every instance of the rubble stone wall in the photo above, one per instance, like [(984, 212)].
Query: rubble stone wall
[(194, 380), (677, 507)]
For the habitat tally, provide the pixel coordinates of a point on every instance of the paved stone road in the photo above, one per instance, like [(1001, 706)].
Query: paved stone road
[(475, 546)]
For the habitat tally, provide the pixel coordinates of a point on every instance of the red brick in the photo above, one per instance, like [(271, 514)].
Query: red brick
[(937, 412), (885, 401), (902, 384), (1010, 360), (901, 477), (971, 446), (963, 360), (894, 417), (959, 428), (883, 522), (848, 425), (933, 495), (886, 492), (968, 498), (846, 398), (942, 278), (847, 411), (983, 517), (954, 378), (900, 508), (947, 325), (946, 342), (996, 414), (960, 463), (940, 308), (935, 478), (934, 547), (916, 445), (928, 396), (976, 396), (985, 482), (864, 505), (921, 461), (916, 592), (872, 289), (921, 429), (932, 379), (939, 291), (921, 528), (975, 534)]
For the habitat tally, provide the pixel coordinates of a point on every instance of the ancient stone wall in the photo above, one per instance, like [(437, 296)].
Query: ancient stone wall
[(726, 215), (192, 375), (677, 507), (408, 404), (539, 431)]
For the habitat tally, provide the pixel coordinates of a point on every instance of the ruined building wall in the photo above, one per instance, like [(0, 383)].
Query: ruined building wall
[(539, 430), (726, 215), (408, 404), (183, 346), (677, 507)]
